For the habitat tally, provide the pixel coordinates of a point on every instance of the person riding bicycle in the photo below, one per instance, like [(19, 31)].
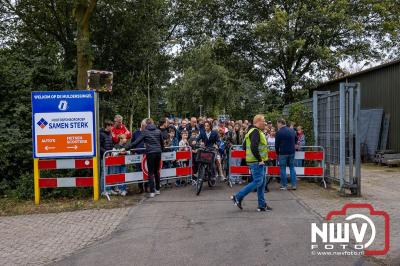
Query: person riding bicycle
[(210, 139)]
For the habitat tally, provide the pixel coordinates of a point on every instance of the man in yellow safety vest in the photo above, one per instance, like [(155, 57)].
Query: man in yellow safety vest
[(256, 156)]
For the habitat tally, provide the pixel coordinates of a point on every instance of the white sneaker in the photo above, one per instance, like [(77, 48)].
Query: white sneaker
[(123, 193), (158, 192), (152, 195), (105, 194)]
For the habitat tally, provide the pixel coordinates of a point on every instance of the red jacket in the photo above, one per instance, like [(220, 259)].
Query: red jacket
[(118, 131)]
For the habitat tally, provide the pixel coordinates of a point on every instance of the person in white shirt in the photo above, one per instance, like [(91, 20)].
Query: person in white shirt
[(184, 143), (271, 139)]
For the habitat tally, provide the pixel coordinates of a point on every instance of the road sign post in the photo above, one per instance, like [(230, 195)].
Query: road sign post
[(98, 81), (36, 176), (64, 126), (96, 163)]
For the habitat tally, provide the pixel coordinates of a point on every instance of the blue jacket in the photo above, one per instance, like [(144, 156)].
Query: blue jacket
[(174, 142), (285, 141), (106, 143), (201, 128), (189, 129), (135, 136), (209, 142)]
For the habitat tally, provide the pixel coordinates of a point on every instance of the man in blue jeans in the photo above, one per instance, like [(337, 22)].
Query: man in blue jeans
[(256, 156), (285, 142)]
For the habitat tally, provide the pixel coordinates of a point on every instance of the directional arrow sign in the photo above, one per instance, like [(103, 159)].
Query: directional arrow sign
[(73, 147)]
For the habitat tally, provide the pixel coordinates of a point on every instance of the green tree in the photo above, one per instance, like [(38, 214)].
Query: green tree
[(61, 22), (295, 43), (301, 40), (127, 37), (302, 116), (131, 38), (82, 12), (44, 23), (213, 76)]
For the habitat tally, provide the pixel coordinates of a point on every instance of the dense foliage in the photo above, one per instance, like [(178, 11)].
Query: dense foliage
[(302, 115), (233, 56)]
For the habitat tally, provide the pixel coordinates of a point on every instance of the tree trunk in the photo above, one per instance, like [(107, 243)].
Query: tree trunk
[(288, 96), (131, 122), (69, 55), (83, 11), (84, 62)]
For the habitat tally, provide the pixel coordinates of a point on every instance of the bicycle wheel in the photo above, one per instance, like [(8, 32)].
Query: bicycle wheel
[(199, 183), (212, 180)]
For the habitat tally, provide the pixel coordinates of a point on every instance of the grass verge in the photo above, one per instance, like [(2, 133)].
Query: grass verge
[(12, 206)]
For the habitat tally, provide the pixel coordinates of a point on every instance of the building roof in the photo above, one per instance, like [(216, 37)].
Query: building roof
[(352, 75)]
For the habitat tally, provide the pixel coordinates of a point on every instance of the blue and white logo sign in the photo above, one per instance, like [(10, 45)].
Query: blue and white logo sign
[(63, 105)]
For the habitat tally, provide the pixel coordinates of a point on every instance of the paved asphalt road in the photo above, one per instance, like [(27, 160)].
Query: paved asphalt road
[(179, 228)]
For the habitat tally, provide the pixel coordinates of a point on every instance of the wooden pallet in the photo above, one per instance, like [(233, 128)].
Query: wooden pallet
[(387, 158), (393, 162)]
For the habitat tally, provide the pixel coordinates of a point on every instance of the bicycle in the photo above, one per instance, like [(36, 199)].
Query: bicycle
[(205, 157)]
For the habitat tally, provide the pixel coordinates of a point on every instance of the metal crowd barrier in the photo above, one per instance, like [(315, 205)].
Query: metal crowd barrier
[(179, 164), (317, 154)]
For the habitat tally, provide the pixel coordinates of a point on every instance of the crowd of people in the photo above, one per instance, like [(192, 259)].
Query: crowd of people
[(189, 134)]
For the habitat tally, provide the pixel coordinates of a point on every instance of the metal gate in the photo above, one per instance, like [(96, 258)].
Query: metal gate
[(336, 125), (336, 120)]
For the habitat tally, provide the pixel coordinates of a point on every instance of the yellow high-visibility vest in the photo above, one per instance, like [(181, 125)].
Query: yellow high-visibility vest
[(262, 148)]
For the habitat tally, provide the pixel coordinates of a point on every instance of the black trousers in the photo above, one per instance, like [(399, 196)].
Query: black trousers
[(141, 186), (153, 167)]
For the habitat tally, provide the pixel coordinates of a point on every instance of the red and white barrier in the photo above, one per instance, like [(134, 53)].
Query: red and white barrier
[(113, 179), (138, 158), (142, 176), (65, 164), (275, 170), (65, 181), (301, 155)]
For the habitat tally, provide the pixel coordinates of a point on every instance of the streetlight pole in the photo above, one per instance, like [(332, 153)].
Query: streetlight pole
[(200, 109), (148, 91)]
